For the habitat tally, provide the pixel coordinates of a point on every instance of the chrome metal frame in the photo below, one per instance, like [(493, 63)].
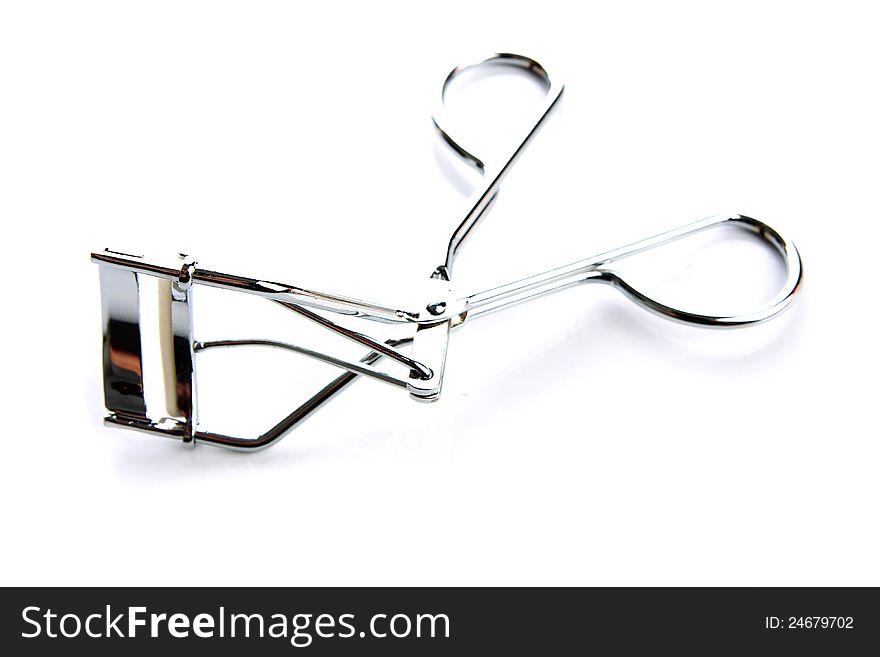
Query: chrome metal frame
[(443, 309)]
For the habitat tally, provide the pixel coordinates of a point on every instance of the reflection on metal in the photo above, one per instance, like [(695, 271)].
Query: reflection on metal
[(442, 308), (123, 365)]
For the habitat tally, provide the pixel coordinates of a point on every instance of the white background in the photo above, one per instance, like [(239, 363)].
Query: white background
[(579, 440)]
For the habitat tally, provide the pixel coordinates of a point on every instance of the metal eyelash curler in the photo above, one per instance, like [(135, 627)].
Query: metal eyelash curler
[(440, 310)]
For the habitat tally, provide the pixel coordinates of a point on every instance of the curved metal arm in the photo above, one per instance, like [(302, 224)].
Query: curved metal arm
[(493, 173), (293, 420), (794, 274), (595, 269)]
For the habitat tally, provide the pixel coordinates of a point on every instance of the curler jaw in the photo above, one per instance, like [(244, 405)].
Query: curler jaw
[(122, 354), (120, 275)]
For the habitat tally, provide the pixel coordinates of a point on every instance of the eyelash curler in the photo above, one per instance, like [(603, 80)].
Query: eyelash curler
[(441, 310)]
